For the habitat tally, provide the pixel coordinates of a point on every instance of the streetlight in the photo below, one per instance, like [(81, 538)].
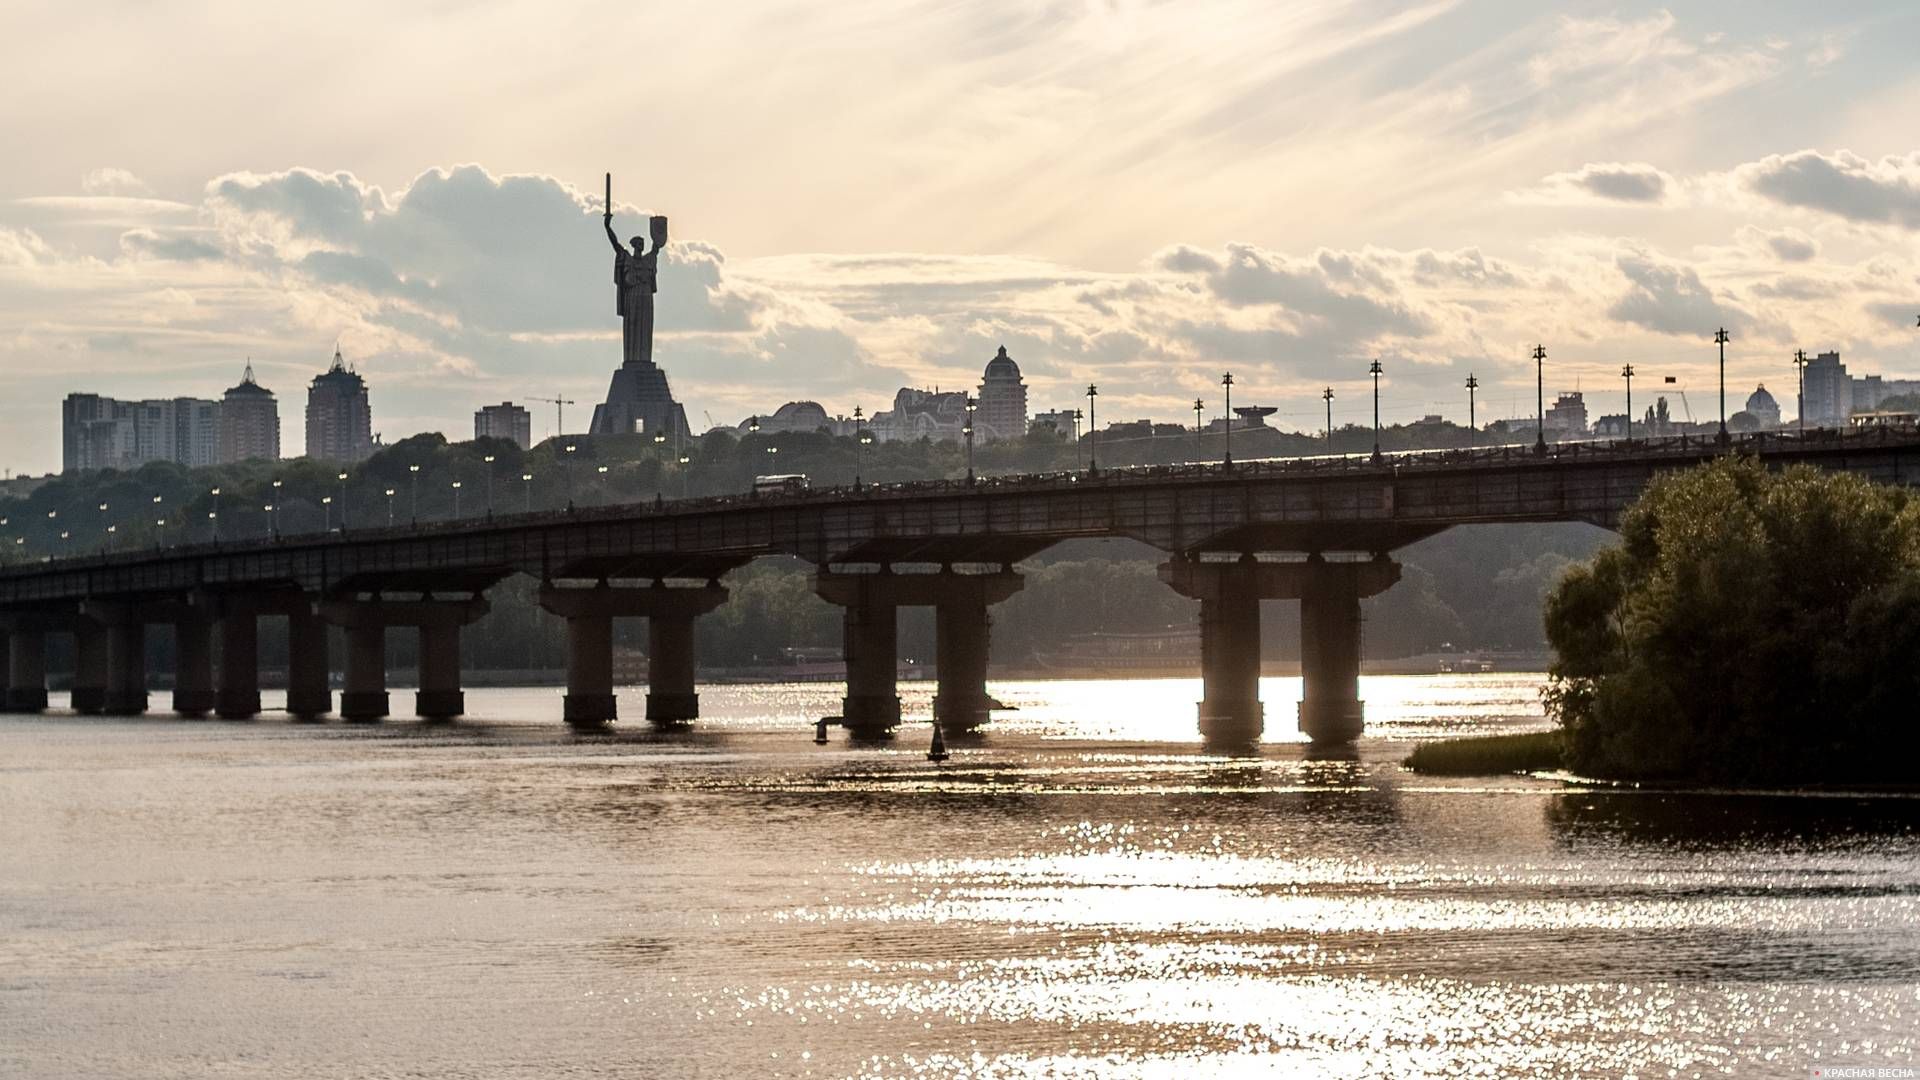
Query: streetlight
[(1226, 414), (683, 475), (343, 499), (1800, 368), (413, 493), (968, 432), (212, 515), (1077, 415), (859, 444), (1627, 374), (1093, 432), (602, 470), (456, 500), (273, 521), (1199, 428), (489, 462), (1720, 337), (111, 529), (276, 513), (1375, 370), (326, 508), (1327, 396), (1539, 399), (568, 461), (1473, 429), (753, 425), (389, 508), (526, 488)]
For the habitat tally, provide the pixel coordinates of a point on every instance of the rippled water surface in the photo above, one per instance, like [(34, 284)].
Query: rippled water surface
[(1081, 891)]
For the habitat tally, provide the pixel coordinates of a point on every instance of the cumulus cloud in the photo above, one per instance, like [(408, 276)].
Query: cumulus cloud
[(1844, 184), (1671, 299), (113, 181), (1638, 184)]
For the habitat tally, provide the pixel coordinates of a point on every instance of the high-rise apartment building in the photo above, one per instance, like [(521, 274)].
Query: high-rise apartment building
[(1829, 399), (249, 422), (504, 421), (339, 419), (105, 433)]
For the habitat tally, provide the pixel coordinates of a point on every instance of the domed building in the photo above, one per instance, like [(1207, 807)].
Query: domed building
[(1003, 400), (1764, 408)]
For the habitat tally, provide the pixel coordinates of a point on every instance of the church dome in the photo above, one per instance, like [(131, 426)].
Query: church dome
[(1002, 366), (1762, 402)]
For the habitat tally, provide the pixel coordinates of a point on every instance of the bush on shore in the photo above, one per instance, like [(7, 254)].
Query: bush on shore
[(1531, 751)]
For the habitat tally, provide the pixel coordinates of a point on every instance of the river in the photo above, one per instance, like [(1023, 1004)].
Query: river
[(1079, 892)]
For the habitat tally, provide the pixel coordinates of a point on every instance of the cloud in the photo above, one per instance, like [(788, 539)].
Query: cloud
[(1611, 182), (1844, 184), (173, 245), (1792, 245), (1671, 299), (112, 181)]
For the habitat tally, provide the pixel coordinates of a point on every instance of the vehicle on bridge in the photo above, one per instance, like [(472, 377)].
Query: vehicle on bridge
[(782, 484)]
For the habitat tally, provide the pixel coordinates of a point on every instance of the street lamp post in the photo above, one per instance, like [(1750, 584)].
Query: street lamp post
[(859, 442), (1720, 338), (1093, 431), (1375, 371), (1199, 428), (342, 478), (526, 490), (568, 460), (1077, 414), (1800, 369), (275, 524), (1327, 396), (1473, 429), (456, 500), (1627, 374), (389, 508), (326, 509), (602, 470), (1226, 416), (1539, 399), (488, 460), (684, 459), (968, 432), (413, 493)]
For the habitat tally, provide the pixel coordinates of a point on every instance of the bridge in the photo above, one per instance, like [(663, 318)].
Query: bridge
[(1318, 530)]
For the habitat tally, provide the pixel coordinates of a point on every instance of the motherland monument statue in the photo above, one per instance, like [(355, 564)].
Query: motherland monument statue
[(638, 400)]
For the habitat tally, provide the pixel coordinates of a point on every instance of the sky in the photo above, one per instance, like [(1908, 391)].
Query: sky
[(866, 195)]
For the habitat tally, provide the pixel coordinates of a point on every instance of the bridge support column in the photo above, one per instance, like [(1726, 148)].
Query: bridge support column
[(26, 670), (439, 621), (1330, 707), (239, 694), (672, 658), (126, 667), (872, 602), (193, 693), (1230, 593), (89, 695), (308, 696)]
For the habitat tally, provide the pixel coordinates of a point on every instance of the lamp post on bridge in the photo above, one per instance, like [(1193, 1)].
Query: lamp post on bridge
[(1226, 415), (567, 461), (326, 510), (526, 491), (413, 493), (274, 509), (1539, 399), (859, 444), (968, 432), (342, 478), (1627, 374), (1199, 429), (1093, 432), (1327, 396), (456, 500), (488, 460), (1077, 417), (1720, 337), (389, 508), (1473, 429), (684, 459), (1800, 369), (1374, 370)]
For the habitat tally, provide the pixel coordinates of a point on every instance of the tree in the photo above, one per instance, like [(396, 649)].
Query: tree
[(1750, 627)]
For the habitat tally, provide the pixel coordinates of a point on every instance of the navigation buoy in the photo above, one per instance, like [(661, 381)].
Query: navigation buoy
[(820, 732), (938, 751)]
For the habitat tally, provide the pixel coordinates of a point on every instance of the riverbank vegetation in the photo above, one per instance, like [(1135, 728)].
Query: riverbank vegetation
[(1750, 627), (1485, 755)]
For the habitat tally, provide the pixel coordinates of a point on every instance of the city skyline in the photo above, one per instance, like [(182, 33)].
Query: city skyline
[(1601, 195)]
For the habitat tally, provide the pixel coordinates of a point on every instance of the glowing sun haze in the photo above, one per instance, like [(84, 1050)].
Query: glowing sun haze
[(870, 194)]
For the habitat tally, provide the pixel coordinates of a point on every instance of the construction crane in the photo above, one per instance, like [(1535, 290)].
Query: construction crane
[(559, 412)]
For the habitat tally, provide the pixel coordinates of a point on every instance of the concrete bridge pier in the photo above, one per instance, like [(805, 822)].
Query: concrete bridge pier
[(871, 604), (1231, 713), (438, 622), (308, 695), (126, 693), (89, 694), (672, 656), (26, 670), (193, 692), (238, 697)]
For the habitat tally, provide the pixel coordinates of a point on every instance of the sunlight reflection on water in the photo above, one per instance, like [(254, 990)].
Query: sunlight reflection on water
[(1081, 891)]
